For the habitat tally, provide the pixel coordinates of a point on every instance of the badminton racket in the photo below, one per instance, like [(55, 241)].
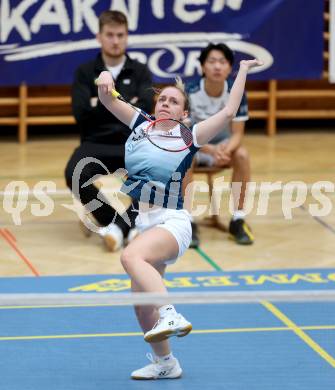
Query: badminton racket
[(166, 134)]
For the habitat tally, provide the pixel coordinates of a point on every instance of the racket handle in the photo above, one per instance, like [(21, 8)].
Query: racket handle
[(114, 93)]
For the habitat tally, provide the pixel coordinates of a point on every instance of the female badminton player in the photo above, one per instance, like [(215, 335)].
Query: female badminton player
[(159, 151)]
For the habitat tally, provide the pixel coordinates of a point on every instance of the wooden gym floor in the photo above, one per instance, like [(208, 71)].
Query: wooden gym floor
[(53, 244)]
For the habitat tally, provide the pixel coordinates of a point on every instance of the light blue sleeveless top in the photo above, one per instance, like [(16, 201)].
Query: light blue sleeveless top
[(154, 175)]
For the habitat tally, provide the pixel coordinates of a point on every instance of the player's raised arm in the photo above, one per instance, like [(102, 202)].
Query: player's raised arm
[(120, 109), (207, 129)]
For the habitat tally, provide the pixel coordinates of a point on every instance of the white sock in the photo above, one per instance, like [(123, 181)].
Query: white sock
[(167, 359), (238, 214), (166, 310)]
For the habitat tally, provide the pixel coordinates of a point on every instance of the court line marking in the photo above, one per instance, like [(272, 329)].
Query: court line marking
[(320, 221), (208, 259), (299, 332), (295, 328), (11, 240), (196, 331)]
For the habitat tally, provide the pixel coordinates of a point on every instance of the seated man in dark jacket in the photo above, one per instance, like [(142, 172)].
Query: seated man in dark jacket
[(102, 135)]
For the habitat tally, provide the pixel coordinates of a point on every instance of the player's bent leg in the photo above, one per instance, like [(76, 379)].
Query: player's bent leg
[(158, 246), (145, 253)]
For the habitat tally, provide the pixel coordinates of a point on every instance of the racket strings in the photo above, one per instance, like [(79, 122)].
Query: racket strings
[(186, 135), (170, 134)]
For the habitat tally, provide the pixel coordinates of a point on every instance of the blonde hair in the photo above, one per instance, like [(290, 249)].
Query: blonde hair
[(179, 84)]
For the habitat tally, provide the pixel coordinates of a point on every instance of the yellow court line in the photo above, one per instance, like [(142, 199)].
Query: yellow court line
[(318, 327), (299, 332), (70, 336), (131, 334)]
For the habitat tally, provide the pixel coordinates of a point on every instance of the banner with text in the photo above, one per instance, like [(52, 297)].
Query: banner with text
[(42, 42), (332, 42)]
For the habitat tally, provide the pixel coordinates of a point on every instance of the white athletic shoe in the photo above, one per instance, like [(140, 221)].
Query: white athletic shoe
[(85, 230), (158, 370), (112, 236), (133, 232), (165, 327), (84, 223)]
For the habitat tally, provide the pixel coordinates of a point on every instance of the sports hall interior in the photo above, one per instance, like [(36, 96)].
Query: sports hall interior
[(291, 140)]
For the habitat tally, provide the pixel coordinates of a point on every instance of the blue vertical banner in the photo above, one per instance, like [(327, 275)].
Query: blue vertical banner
[(332, 41), (42, 42)]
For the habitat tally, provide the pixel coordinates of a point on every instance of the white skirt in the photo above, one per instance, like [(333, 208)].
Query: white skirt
[(177, 222)]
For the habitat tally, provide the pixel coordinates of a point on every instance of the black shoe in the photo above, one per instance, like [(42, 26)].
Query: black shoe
[(241, 232), (195, 238)]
